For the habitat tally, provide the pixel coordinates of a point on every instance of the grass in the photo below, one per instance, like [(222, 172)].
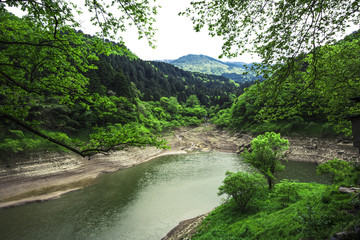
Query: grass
[(320, 212)]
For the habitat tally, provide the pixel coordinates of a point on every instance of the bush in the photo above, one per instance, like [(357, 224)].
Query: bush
[(285, 192), (245, 188), (267, 150), (339, 169)]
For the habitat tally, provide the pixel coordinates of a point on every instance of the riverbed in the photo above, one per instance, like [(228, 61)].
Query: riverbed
[(45, 176), (48, 176), (142, 202)]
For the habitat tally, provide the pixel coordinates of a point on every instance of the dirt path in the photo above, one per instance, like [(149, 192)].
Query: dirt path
[(49, 176)]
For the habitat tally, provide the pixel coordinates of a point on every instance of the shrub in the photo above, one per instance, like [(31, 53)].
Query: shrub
[(267, 150), (245, 188), (339, 169), (285, 192)]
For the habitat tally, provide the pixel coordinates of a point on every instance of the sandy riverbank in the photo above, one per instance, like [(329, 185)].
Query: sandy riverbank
[(49, 176)]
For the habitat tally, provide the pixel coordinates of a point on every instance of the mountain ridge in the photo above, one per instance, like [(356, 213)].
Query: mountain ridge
[(205, 64)]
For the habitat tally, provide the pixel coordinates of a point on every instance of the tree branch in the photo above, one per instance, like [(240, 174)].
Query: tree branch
[(40, 134)]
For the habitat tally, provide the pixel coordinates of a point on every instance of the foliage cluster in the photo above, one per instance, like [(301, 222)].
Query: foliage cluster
[(308, 95), (243, 187), (291, 211), (288, 209), (275, 30), (343, 173), (266, 152), (62, 85)]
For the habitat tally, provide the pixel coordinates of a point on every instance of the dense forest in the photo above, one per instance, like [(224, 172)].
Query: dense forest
[(119, 92), (157, 79), (303, 106)]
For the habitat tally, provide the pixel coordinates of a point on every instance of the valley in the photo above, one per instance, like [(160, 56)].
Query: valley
[(274, 139)]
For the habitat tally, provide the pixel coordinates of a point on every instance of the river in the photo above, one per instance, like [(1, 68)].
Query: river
[(142, 202)]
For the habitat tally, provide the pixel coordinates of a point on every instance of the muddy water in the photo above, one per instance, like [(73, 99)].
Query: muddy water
[(142, 202)]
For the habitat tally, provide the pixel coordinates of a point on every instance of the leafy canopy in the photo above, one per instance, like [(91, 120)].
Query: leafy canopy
[(340, 170), (275, 30), (110, 17), (318, 84), (43, 57), (304, 66)]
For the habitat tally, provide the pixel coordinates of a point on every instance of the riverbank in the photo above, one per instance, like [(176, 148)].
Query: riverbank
[(48, 176), (316, 150)]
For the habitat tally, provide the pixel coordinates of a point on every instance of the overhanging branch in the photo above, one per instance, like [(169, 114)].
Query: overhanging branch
[(40, 134)]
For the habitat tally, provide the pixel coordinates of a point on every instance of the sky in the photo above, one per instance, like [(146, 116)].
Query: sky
[(175, 37)]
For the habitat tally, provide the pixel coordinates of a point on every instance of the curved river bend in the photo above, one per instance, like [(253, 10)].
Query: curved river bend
[(142, 202)]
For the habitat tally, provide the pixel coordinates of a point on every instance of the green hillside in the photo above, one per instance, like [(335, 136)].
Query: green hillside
[(208, 65), (89, 100)]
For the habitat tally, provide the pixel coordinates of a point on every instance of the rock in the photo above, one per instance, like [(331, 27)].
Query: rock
[(349, 235), (242, 148), (185, 229), (349, 190)]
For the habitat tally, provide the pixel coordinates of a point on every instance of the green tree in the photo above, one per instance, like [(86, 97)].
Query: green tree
[(192, 101), (290, 36), (245, 188), (132, 134), (43, 56), (275, 30), (286, 192), (266, 152), (319, 84)]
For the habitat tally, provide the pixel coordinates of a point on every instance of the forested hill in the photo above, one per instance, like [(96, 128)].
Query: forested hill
[(303, 104), (158, 79), (208, 65), (89, 95)]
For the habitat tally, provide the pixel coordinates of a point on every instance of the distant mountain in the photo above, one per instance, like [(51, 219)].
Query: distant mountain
[(209, 65)]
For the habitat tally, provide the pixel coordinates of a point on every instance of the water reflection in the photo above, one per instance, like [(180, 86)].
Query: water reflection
[(142, 202), (303, 172)]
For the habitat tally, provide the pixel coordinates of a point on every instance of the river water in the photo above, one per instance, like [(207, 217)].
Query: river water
[(142, 202)]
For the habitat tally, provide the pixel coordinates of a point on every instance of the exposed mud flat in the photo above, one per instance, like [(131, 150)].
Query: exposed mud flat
[(320, 150), (50, 175)]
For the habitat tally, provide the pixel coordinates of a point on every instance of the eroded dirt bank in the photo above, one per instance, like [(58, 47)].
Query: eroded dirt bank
[(51, 175)]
